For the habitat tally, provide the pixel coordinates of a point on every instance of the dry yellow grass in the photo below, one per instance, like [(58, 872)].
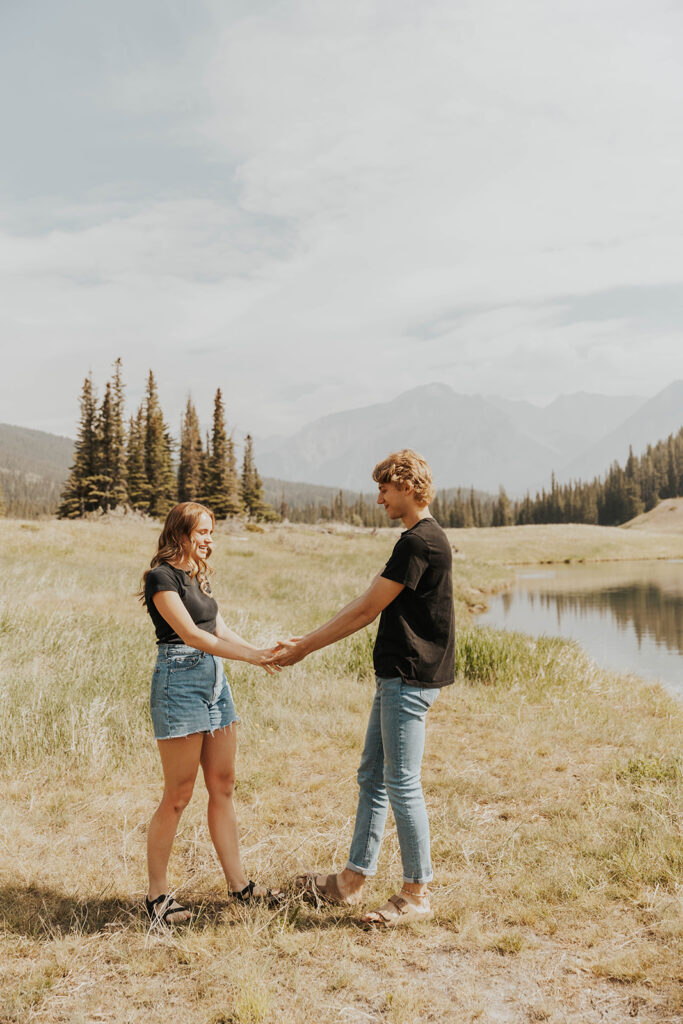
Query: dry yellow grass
[(554, 792), (666, 517)]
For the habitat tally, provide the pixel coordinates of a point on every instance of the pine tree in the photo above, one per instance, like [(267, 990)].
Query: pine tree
[(467, 514), (633, 504), (204, 475), (80, 493), (502, 510), (108, 483), (589, 504), (101, 482), (158, 454), (556, 509), (438, 510), (338, 510), (191, 464), (222, 493), (525, 512), (671, 469), (252, 486), (117, 458), (138, 484), (475, 509)]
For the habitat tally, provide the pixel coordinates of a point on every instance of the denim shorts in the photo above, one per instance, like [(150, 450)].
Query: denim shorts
[(190, 693)]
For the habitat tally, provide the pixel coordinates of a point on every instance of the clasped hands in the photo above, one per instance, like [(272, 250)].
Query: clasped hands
[(287, 652)]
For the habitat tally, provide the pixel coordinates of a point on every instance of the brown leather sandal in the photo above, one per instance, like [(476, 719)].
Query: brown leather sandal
[(321, 889), (397, 910)]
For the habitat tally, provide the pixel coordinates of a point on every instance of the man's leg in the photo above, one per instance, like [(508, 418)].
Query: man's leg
[(404, 709), (371, 816), (373, 804)]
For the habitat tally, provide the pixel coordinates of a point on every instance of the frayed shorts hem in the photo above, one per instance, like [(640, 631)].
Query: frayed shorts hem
[(194, 732)]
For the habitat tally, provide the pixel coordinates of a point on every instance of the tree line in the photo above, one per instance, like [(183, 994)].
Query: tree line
[(362, 511), (118, 463), (25, 496), (624, 493), (137, 463)]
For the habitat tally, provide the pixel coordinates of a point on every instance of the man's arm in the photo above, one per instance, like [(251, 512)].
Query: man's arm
[(354, 616)]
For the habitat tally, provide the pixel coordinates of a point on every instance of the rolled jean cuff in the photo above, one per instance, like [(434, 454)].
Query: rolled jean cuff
[(366, 872), (419, 881)]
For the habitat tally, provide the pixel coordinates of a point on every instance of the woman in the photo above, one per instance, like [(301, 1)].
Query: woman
[(192, 708)]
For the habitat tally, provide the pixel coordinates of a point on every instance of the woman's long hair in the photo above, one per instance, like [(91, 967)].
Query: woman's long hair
[(175, 545)]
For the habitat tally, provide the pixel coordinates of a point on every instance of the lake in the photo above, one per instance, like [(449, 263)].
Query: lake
[(626, 615)]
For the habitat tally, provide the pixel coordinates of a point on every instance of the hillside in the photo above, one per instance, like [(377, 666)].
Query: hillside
[(653, 421), (35, 452), (667, 517), (33, 468)]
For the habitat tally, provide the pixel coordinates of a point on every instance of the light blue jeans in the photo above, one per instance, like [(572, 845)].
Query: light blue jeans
[(389, 773)]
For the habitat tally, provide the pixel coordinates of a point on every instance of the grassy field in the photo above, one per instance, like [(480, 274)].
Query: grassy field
[(666, 517), (554, 792), (519, 545)]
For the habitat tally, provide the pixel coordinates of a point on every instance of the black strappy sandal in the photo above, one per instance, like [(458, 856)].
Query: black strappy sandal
[(272, 898), (158, 910)]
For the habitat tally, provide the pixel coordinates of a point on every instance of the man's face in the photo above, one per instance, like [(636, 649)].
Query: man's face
[(396, 500)]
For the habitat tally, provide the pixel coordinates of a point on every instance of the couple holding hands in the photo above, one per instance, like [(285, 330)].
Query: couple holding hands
[(194, 715)]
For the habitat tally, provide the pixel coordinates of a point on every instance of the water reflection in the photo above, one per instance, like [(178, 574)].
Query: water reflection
[(627, 615)]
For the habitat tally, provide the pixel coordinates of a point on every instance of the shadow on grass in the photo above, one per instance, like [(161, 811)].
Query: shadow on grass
[(43, 913), (39, 912)]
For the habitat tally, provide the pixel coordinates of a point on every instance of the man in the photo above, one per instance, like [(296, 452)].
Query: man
[(413, 658)]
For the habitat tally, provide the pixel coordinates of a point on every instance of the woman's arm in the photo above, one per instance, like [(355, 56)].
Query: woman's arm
[(225, 644), (224, 632)]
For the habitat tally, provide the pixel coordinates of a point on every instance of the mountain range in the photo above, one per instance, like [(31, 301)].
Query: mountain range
[(475, 440), (470, 440)]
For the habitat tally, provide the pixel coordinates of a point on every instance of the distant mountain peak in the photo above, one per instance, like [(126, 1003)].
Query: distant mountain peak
[(674, 388), (470, 439), (434, 388)]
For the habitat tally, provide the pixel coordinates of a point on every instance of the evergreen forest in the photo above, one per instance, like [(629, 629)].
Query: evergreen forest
[(133, 464)]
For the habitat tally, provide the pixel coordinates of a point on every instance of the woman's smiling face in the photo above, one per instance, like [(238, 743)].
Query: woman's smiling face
[(200, 538)]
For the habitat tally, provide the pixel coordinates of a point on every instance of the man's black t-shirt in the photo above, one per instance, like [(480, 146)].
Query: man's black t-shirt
[(416, 635), (202, 607)]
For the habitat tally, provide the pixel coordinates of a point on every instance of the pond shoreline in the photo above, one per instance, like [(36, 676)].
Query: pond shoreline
[(625, 614)]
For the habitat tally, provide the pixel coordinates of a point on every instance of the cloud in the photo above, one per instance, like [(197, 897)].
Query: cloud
[(334, 203)]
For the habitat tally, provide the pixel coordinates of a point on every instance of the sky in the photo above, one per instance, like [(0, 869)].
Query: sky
[(318, 205)]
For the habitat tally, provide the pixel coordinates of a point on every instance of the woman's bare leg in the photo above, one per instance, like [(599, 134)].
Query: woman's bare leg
[(180, 760), (218, 765)]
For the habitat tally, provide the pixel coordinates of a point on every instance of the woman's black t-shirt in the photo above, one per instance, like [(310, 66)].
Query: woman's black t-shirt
[(201, 606), (416, 635)]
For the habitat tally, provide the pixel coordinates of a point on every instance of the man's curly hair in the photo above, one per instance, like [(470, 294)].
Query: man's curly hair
[(406, 467)]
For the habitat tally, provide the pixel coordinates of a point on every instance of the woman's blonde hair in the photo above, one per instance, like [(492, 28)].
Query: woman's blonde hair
[(406, 467), (174, 543)]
